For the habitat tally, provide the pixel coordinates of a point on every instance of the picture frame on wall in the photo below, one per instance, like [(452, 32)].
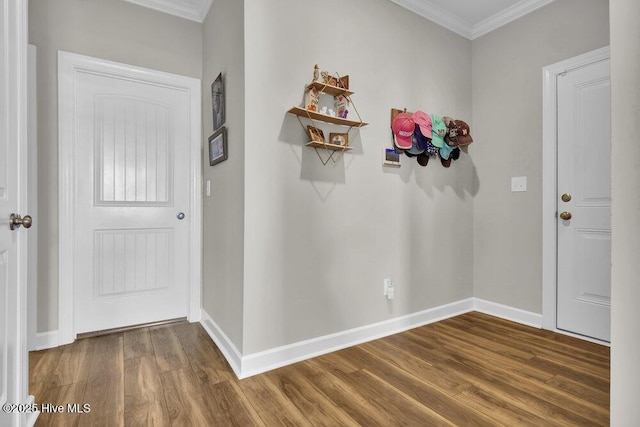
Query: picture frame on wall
[(217, 102), (218, 146)]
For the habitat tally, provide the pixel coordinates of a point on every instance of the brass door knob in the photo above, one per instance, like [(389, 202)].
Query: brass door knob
[(565, 215), (566, 197), (16, 221)]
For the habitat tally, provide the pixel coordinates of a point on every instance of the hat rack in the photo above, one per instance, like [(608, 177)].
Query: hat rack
[(396, 111)]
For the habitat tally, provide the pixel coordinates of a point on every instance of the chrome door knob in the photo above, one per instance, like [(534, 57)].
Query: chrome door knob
[(16, 221), (180, 216)]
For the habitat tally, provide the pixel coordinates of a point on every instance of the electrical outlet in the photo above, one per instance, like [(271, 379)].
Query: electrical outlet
[(390, 292)]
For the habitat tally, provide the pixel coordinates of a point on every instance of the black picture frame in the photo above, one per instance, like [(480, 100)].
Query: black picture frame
[(218, 146), (217, 102)]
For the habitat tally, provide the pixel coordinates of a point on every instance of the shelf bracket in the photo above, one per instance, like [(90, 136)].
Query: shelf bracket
[(330, 151)]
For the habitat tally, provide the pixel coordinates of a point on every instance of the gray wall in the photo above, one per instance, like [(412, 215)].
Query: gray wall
[(223, 51), (625, 249), (319, 240), (507, 128), (108, 29)]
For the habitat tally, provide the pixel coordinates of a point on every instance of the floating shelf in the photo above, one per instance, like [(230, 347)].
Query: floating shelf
[(329, 89), (325, 145), (313, 115)]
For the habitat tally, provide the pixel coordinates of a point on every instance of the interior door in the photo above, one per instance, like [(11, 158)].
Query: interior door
[(132, 201), (584, 201), (13, 344)]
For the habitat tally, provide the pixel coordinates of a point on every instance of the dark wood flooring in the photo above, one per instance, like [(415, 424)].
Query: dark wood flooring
[(472, 369)]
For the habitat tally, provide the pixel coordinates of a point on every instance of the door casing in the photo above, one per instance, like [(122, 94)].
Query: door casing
[(550, 183), (68, 65)]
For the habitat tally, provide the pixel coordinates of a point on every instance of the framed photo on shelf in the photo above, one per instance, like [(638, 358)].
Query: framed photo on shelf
[(344, 82), (218, 146), (339, 139), (217, 101), (315, 134)]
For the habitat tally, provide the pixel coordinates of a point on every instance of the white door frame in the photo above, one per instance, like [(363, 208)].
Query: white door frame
[(32, 198), (14, 22), (550, 180), (68, 66)]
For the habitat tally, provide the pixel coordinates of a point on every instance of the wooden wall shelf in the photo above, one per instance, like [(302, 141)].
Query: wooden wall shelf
[(329, 89), (327, 146), (313, 115), (308, 118)]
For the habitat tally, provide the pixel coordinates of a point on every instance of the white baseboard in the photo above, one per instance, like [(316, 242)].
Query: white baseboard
[(509, 313), (46, 340), (256, 363), (29, 418), (226, 346)]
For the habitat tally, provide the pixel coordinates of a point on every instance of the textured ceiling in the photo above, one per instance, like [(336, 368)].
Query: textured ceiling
[(469, 18)]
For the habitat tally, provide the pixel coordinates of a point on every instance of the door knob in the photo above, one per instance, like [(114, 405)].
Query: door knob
[(180, 216), (16, 221), (565, 215), (566, 197)]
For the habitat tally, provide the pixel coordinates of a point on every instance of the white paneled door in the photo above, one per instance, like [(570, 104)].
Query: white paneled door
[(584, 201), (16, 410), (132, 200)]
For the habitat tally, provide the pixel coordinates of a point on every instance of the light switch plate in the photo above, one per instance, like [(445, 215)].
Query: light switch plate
[(518, 183)]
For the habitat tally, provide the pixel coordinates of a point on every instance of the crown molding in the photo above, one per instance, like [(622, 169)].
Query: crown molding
[(450, 21), (193, 10), (509, 14), (434, 13)]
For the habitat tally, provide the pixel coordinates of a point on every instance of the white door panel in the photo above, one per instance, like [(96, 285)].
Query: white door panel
[(132, 165), (584, 173), (13, 249)]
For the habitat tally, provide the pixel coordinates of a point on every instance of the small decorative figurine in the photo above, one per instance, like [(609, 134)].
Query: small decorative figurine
[(316, 73), (344, 114)]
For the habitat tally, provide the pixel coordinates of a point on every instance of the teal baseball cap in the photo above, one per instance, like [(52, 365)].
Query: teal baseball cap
[(438, 131)]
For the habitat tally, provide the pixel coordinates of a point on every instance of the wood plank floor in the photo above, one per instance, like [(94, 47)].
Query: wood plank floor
[(472, 369)]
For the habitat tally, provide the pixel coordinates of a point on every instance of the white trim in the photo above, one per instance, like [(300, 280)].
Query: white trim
[(436, 14), (506, 16), (225, 345), (29, 418), (194, 10), (509, 313), (46, 340), (32, 198), (549, 178), (68, 65), (450, 21), (256, 363)]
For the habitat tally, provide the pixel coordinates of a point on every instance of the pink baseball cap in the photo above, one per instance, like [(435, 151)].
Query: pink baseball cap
[(403, 127), (423, 120)]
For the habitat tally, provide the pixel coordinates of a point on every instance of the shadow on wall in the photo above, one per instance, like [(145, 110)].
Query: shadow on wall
[(461, 177), (311, 168)]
